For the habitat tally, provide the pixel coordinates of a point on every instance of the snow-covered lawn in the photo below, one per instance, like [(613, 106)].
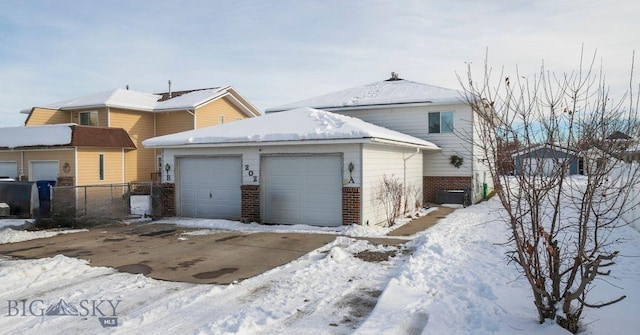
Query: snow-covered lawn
[(455, 282)]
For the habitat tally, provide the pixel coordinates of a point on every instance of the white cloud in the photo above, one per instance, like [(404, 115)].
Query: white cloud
[(278, 52)]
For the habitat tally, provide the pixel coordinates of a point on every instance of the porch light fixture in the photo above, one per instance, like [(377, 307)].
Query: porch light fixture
[(167, 167)]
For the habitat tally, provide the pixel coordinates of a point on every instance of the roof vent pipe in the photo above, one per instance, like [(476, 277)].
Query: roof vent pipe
[(169, 88)]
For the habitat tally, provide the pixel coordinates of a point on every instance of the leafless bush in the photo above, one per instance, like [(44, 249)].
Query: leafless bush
[(560, 227), (389, 194)]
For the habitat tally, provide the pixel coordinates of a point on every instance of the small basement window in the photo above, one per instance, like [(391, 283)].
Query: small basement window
[(440, 122), (88, 118)]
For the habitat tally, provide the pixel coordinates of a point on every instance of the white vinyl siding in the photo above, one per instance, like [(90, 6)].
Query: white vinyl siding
[(379, 161), (414, 121)]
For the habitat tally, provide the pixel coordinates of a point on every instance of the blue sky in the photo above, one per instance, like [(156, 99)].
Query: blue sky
[(276, 52)]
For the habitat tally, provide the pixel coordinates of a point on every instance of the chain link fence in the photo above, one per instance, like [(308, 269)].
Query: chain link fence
[(106, 202)]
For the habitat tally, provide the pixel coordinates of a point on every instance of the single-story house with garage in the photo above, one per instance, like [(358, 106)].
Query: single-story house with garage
[(65, 153), (545, 159), (304, 166)]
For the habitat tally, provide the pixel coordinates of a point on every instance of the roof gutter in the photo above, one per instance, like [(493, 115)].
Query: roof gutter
[(296, 142)]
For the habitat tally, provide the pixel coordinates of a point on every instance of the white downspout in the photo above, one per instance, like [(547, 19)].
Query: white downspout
[(405, 159)]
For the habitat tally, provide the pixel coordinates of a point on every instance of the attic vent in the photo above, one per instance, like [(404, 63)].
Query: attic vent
[(394, 77)]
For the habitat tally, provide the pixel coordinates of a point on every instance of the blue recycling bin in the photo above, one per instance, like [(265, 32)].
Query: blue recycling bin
[(44, 195)]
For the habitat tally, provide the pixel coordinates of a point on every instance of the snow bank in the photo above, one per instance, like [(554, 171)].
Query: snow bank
[(458, 282), (9, 235)]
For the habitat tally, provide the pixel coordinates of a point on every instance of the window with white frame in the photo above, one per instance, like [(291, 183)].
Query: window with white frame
[(88, 118), (101, 166), (440, 122), (220, 119)]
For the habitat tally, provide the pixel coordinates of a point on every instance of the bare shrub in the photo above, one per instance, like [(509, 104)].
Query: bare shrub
[(389, 194), (560, 226)]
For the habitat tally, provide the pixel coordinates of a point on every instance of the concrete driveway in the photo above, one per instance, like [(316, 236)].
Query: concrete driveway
[(163, 251)]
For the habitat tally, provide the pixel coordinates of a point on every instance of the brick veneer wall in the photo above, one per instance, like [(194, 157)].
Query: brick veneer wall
[(168, 199), (351, 205), (432, 184), (250, 203)]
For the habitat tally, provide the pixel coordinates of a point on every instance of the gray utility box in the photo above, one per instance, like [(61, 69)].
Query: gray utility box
[(450, 196), (5, 210)]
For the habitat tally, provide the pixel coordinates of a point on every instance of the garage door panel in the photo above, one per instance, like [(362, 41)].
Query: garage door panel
[(210, 187), (43, 170), (9, 169), (302, 190)]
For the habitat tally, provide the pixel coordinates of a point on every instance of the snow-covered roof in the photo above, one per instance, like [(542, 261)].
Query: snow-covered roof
[(121, 98), (389, 92), (113, 98), (190, 100), (67, 134), (50, 135), (303, 124)]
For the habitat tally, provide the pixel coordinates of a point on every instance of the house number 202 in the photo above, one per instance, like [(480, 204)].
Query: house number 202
[(250, 173)]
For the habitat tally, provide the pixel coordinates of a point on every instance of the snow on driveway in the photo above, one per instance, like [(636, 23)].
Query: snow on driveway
[(456, 282)]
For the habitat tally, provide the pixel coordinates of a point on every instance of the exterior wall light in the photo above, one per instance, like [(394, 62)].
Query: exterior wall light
[(167, 168)]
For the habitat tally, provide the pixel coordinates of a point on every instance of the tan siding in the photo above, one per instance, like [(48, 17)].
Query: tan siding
[(40, 116), (89, 168), (208, 115), (173, 122), (62, 156), (140, 163)]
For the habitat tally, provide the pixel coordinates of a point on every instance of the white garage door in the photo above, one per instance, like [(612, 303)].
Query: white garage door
[(43, 170), (302, 190), (9, 169), (542, 166), (210, 187)]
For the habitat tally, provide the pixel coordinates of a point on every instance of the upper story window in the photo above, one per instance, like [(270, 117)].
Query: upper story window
[(88, 118), (440, 122), (220, 119)]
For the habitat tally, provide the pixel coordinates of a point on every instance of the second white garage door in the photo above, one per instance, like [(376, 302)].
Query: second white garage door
[(302, 190), (210, 187)]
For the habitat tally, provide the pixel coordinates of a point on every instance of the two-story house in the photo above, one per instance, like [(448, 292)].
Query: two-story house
[(330, 160), (435, 114), (97, 139)]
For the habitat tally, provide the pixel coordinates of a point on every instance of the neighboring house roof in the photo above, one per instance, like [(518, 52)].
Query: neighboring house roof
[(181, 100), (119, 98), (67, 135), (389, 92), (618, 135), (544, 146), (299, 125)]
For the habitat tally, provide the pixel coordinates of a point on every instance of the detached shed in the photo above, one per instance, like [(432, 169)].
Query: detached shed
[(304, 166), (545, 159)]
